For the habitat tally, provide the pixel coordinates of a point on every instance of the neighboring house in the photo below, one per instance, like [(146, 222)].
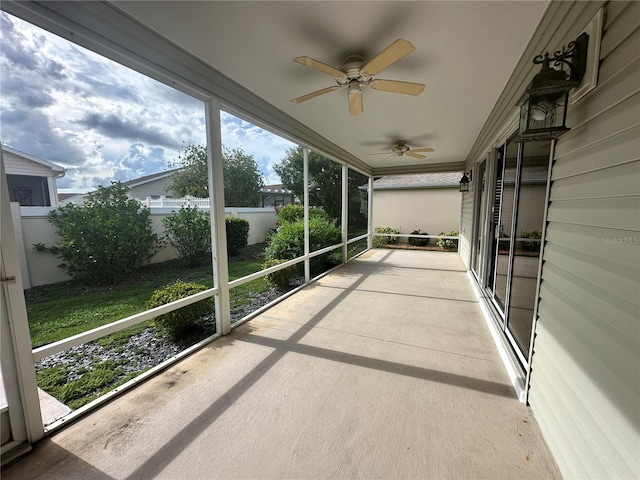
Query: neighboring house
[(150, 186), (31, 180), (275, 196), (429, 202)]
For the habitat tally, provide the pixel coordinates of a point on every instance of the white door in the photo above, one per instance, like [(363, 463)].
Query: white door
[(21, 421)]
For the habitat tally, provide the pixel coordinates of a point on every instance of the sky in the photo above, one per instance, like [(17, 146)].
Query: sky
[(102, 121)]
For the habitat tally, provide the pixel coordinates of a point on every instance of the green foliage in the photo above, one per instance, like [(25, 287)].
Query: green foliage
[(448, 243), (191, 176), (419, 242), (283, 277), (89, 384), (531, 246), (288, 242), (189, 232), (295, 213), (381, 242), (242, 177), (325, 183), (178, 324), (237, 234), (105, 238)]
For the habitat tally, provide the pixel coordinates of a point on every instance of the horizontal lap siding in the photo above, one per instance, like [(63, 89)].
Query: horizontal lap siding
[(585, 380)]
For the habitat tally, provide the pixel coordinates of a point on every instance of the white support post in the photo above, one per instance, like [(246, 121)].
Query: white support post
[(305, 176), (370, 213), (218, 224), (345, 211)]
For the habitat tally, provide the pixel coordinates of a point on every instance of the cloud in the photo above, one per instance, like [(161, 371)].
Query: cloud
[(113, 126), (100, 120)]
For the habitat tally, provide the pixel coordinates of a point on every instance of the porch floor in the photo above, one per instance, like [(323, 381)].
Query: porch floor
[(383, 369)]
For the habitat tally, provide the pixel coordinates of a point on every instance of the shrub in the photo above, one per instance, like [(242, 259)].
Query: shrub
[(419, 242), (295, 213), (448, 243), (189, 232), (288, 242), (105, 238), (531, 246), (282, 278), (237, 234), (381, 242), (179, 323)]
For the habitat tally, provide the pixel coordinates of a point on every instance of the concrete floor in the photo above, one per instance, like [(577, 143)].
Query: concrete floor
[(383, 369)]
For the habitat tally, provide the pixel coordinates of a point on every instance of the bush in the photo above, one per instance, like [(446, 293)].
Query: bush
[(180, 323), (237, 234), (448, 243), (531, 246), (105, 238), (419, 242), (288, 242), (189, 232), (282, 278), (295, 213), (381, 242)]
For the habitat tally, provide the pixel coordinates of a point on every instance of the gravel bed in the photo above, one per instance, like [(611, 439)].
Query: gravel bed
[(144, 350)]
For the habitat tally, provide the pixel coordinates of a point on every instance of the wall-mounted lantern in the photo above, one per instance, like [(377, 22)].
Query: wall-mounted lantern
[(464, 182), (543, 106)]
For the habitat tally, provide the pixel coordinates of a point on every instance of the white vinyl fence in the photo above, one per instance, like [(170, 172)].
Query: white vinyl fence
[(41, 268)]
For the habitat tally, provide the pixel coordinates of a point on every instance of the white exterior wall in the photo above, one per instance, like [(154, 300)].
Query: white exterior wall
[(585, 367), (41, 268), (432, 210)]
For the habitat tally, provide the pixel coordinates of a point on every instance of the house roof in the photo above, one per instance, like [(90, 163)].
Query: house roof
[(149, 178), (41, 161), (425, 180)]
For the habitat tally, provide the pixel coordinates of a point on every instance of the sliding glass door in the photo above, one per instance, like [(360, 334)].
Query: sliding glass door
[(513, 237)]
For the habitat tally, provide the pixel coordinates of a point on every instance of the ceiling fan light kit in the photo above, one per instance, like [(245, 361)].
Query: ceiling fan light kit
[(355, 74)]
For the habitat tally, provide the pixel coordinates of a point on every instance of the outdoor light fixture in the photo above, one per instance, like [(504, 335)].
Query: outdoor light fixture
[(543, 106), (464, 182)]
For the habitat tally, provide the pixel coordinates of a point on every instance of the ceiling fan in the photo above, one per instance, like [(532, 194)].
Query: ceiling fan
[(354, 74), (400, 149)]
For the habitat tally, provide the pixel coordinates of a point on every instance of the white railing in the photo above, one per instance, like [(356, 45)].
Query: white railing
[(187, 201)]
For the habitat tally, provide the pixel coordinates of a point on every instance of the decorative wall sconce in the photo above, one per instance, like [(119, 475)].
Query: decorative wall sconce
[(543, 106), (464, 182)]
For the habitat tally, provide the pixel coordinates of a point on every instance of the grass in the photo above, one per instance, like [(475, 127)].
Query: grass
[(90, 384), (64, 309)]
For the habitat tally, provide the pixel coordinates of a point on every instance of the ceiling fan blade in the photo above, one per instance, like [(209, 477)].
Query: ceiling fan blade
[(394, 52), (415, 155), (311, 95), (381, 153), (422, 150), (395, 86), (355, 100), (389, 158), (323, 67)]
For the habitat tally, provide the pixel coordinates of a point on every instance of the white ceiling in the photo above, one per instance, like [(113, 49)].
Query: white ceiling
[(465, 53)]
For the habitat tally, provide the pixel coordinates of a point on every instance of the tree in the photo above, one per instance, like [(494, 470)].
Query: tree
[(191, 177), (325, 183), (105, 238), (242, 177)]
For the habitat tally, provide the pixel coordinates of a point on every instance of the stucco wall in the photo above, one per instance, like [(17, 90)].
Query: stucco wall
[(432, 210)]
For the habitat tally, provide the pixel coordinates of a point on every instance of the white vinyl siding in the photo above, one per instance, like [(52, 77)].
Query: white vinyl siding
[(585, 380)]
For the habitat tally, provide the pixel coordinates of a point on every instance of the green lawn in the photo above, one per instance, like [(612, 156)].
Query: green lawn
[(64, 309)]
